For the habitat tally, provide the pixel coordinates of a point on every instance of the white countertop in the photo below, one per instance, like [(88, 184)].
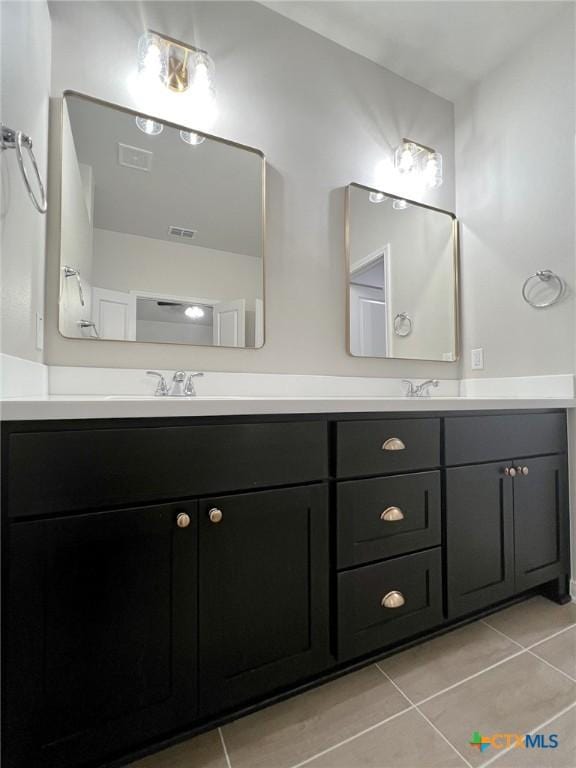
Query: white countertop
[(127, 406)]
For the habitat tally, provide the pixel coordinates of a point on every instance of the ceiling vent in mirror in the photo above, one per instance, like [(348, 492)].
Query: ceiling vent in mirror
[(134, 157), (181, 233)]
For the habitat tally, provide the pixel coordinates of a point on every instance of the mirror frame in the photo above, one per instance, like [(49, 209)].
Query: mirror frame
[(179, 127), (455, 264)]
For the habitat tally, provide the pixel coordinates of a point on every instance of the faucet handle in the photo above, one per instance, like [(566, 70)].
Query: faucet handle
[(162, 388), (189, 389), (410, 389)]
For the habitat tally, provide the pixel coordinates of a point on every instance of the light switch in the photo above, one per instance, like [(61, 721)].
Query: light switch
[(477, 359)]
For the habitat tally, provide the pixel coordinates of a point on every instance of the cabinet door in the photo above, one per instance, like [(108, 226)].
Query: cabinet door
[(479, 537), (101, 637), (541, 523), (263, 593)]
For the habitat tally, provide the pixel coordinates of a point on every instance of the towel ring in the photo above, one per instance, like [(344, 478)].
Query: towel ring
[(19, 141), (402, 324), (545, 276)]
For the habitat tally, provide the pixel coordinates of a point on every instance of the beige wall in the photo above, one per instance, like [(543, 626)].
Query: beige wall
[(324, 117), (25, 86)]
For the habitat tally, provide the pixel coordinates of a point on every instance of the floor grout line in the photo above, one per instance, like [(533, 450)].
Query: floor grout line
[(425, 717), (471, 677), (532, 645), (550, 637), (502, 634), (548, 663), (531, 733), (352, 738), (226, 755)]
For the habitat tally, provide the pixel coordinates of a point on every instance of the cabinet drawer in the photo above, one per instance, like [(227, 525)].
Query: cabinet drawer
[(365, 624), (78, 469), (367, 447), (387, 516), (471, 439)]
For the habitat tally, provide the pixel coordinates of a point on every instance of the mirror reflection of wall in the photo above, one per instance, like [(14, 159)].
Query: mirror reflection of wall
[(402, 278), (161, 236)]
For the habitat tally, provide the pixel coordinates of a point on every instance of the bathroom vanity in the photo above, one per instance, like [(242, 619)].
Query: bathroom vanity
[(163, 575)]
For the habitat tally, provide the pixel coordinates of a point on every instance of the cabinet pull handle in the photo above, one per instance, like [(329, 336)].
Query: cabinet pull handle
[(510, 472), (393, 444), (183, 520), (215, 515), (393, 599), (392, 515)]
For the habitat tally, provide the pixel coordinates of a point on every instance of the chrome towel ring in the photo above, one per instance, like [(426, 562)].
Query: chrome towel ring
[(402, 324), (544, 276), (17, 140)]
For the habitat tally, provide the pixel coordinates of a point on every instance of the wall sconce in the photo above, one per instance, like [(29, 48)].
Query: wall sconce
[(168, 66), (413, 158)]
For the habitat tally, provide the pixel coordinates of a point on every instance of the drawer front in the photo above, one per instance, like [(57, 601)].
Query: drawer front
[(387, 446), (95, 468), (387, 516), (471, 439), (365, 624)]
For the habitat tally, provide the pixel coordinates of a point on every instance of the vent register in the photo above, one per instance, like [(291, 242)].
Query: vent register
[(141, 160)]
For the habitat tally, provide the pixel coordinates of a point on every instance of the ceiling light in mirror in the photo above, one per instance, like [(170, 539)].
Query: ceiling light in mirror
[(400, 205), (194, 313), (192, 138), (150, 127), (376, 197)]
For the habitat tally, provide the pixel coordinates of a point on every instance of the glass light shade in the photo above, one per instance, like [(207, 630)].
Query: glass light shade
[(151, 59), (203, 73), (194, 313), (433, 170), (376, 197), (400, 205), (192, 138), (151, 127), (405, 158)]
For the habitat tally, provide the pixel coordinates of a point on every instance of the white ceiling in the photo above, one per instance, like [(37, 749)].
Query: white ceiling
[(213, 188), (443, 46)]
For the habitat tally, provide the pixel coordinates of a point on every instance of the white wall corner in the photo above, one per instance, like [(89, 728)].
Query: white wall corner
[(573, 590), (22, 378)]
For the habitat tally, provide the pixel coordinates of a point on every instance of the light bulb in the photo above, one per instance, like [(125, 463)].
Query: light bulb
[(433, 170), (194, 313), (150, 127), (376, 197), (193, 138), (399, 205), (151, 61), (404, 158)]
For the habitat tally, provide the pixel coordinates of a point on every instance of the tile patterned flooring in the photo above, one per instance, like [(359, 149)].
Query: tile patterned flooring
[(514, 671)]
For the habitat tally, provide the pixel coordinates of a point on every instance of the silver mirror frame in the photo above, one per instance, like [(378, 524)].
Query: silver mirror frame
[(179, 127), (456, 267)]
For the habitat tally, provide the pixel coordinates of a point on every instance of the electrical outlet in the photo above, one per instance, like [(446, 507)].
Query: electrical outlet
[(39, 332), (477, 359)]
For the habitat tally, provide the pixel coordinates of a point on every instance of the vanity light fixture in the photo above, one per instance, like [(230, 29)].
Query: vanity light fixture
[(176, 65), (192, 138), (377, 197), (413, 158), (194, 313), (150, 127)]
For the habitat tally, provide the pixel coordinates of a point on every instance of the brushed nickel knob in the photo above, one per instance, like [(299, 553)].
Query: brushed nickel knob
[(215, 515), (525, 470), (393, 599), (510, 472), (183, 520), (393, 444), (392, 514)]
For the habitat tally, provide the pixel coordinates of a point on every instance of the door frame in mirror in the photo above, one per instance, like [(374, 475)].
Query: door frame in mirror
[(455, 264), (179, 127)]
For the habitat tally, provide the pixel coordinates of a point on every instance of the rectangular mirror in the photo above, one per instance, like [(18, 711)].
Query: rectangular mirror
[(402, 266), (162, 231)]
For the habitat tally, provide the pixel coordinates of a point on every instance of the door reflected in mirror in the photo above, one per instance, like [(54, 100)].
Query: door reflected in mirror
[(402, 278), (161, 235)]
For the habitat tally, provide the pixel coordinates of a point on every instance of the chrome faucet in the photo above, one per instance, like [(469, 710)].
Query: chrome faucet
[(419, 390), (181, 386)]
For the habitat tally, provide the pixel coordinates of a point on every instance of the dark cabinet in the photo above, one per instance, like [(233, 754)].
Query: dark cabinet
[(479, 537), (263, 592), (101, 633), (541, 534)]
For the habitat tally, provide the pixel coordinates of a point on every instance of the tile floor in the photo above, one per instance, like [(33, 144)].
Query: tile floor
[(512, 672)]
